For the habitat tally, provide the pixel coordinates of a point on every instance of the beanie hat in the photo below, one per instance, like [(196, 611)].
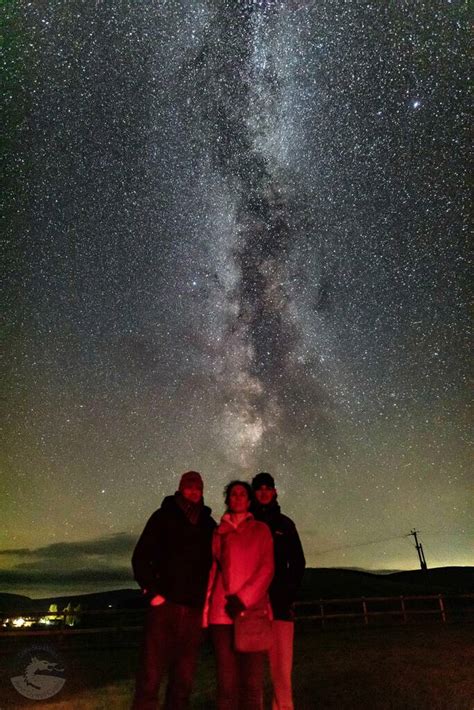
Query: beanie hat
[(262, 479), (190, 478)]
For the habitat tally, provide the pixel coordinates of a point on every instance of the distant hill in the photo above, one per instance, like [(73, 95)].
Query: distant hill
[(332, 583), (118, 598), (15, 602), (460, 579), (322, 583)]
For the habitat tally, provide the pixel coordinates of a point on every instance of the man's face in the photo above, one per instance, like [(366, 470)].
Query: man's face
[(265, 494), (192, 492)]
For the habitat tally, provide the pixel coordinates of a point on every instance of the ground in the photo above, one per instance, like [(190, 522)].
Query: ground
[(424, 667)]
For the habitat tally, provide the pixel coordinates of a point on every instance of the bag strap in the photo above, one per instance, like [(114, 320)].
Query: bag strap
[(219, 566)]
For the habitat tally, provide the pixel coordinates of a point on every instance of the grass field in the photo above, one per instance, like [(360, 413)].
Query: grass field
[(427, 667)]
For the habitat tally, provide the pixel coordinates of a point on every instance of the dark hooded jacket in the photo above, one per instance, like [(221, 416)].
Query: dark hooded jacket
[(173, 556), (289, 559)]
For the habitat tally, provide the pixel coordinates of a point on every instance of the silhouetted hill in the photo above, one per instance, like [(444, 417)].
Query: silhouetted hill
[(322, 583), (118, 598), (331, 583), (441, 579), (14, 602)]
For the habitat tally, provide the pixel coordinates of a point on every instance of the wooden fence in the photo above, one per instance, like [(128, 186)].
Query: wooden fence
[(401, 609)]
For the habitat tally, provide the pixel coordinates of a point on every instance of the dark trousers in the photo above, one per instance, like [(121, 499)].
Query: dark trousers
[(239, 675), (171, 643)]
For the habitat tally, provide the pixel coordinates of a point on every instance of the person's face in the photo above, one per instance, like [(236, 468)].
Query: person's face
[(239, 501), (265, 495), (192, 492)]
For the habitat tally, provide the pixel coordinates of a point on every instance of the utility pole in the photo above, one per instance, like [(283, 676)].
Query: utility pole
[(419, 549)]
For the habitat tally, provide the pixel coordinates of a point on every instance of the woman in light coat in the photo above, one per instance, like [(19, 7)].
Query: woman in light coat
[(240, 577)]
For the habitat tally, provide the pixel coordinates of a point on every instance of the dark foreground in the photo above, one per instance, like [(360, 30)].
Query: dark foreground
[(425, 667)]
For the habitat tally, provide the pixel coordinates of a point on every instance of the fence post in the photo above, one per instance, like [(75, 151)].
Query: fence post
[(321, 608), (404, 611), (62, 628), (364, 607), (441, 607)]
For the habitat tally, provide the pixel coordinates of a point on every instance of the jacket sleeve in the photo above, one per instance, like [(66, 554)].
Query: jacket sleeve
[(296, 561), (145, 558), (212, 578), (210, 586), (258, 583)]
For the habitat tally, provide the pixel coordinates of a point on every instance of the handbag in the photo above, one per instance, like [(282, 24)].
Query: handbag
[(252, 631), (252, 627)]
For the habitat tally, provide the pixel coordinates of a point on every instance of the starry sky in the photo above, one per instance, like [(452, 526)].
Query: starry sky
[(236, 240)]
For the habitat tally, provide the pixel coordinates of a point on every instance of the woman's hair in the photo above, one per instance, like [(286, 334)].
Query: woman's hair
[(230, 486)]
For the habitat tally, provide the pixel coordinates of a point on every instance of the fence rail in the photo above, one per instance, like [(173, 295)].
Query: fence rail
[(366, 611), (445, 607)]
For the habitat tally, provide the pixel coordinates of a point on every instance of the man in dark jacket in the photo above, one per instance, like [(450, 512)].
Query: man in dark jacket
[(289, 569), (171, 563)]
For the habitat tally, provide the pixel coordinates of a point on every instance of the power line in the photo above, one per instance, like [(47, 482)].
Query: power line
[(388, 539), (360, 544)]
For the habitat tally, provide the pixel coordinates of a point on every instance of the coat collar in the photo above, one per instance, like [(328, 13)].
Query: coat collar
[(227, 525)]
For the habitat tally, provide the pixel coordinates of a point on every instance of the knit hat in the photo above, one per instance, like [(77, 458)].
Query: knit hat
[(190, 478), (262, 479)]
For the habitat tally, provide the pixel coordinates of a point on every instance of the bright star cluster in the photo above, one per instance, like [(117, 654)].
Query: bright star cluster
[(236, 241)]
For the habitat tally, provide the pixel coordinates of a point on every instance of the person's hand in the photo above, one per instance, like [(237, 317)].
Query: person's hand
[(233, 605), (157, 600)]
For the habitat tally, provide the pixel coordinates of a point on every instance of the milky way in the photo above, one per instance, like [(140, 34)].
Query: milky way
[(238, 242)]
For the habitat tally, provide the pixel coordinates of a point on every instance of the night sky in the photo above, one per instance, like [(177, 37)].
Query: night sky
[(236, 241)]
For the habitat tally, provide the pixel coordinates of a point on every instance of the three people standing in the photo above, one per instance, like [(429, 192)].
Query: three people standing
[(257, 564)]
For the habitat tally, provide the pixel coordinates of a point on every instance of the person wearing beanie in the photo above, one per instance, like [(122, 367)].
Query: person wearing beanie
[(171, 563), (289, 568)]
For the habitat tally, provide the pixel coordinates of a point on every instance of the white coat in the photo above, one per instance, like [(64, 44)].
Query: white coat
[(243, 564)]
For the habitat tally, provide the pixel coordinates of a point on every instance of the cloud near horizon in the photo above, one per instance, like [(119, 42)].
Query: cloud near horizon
[(25, 577), (116, 544), (100, 561)]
